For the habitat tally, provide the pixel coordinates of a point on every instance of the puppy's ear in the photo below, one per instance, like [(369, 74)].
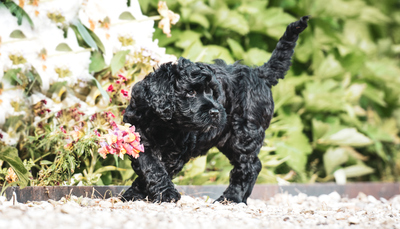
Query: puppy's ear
[(183, 63), (159, 92), (216, 86)]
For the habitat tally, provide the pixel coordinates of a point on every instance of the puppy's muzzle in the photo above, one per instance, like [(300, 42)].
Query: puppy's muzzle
[(214, 113)]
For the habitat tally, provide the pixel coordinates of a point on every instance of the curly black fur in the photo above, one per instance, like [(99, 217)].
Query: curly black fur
[(183, 109)]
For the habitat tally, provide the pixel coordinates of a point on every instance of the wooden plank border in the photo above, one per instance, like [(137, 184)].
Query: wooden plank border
[(264, 192)]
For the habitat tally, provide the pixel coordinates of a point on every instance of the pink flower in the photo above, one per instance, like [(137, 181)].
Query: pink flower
[(110, 88), (109, 113), (123, 78), (103, 152), (93, 117), (121, 140), (124, 93), (58, 114), (63, 130)]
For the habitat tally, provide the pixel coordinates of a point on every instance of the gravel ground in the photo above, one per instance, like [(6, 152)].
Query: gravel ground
[(282, 211)]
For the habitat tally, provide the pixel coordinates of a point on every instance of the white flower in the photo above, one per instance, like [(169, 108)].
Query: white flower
[(8, 24), (168, 18), (8, 97), (7, 139), (68, 10), (93, 12)]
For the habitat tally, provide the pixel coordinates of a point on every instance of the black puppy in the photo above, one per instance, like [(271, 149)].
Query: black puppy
[(183, 109)]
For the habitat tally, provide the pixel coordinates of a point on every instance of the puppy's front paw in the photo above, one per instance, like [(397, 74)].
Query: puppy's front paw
[(228, 199), (132, 195), (169, 195), (300, 25)]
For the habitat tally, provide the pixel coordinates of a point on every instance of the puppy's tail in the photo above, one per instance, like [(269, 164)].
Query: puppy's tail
[(280, 61)]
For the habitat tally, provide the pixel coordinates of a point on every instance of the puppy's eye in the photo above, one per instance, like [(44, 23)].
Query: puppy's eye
[(191, 93)]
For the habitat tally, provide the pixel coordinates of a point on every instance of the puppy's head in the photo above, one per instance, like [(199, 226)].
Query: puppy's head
[(184, 94)]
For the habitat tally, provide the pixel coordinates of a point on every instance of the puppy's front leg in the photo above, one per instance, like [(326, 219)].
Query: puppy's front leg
[(158, 183)]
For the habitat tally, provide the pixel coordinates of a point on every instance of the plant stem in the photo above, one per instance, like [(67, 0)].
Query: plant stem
[(76, 52), (41, 157), (152, 18)]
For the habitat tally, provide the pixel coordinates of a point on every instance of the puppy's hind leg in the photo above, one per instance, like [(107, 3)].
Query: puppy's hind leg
[(242, 179)]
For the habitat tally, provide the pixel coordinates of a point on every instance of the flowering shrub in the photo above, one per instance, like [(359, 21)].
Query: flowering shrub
[(66, 69)]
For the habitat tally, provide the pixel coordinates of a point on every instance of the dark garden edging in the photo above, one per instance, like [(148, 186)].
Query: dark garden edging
[(264, 192)]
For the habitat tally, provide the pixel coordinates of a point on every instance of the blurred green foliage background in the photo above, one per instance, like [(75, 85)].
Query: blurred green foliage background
[(337, 110)]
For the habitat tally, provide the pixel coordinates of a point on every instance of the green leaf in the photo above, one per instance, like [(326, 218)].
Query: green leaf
[(375, 95), (86, 35), (34, 75), (213, 52), (14, 122), (164, 41), (337, 8), (17, 34), (102, 91), (303, 51), (295, 146), (256, 56), (231, 20), (333, 158), (274, 161), (324, 96), (373, 15), (284, 94), (346, 137), (201, 8), (126, 16), (329, 67), (195, 51), (45, 162), (252, 7), (18, 12), (187, 38), (236, 49), (12, 76), (97, 40), (97, 62), (357, 170), (57, 86), (199, 19), (63, 47), (196, 166), (10, 155), (108, 168), (319, 129), (276, 16), (118, 61)]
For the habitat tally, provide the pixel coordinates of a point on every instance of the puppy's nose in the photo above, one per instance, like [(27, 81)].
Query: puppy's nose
[(214, 113)]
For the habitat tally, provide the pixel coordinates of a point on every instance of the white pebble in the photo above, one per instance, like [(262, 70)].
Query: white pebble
[(105, 204), (334, 196)]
